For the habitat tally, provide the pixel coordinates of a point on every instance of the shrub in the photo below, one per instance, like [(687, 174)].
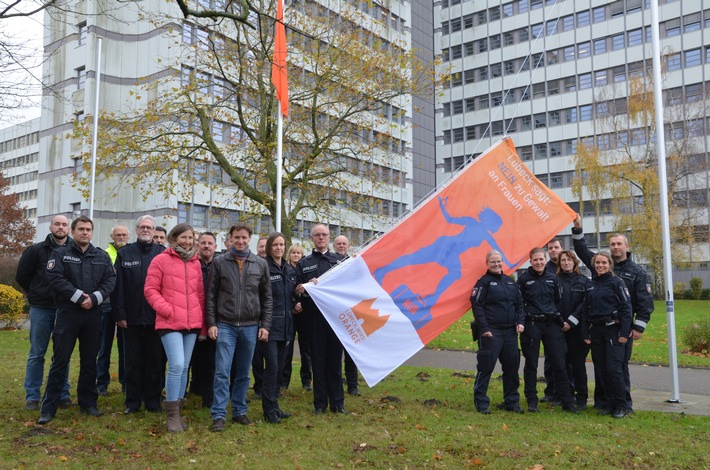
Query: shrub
[(679, 290), (705, 294), (696, 287), (8, 269), (11, 306), (697, 337)]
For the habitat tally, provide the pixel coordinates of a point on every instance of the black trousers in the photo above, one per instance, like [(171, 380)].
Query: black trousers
[(551, 336), (628, 349), (144, 367), (70, 325), (577, 352), (608, 357), (350, 371), (503, 347), (274, 353), (326, 358), (287, 366), (202, 370), (303, 323), (257, 369)]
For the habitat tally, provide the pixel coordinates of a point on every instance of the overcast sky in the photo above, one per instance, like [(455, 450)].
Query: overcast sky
[(23, 29)]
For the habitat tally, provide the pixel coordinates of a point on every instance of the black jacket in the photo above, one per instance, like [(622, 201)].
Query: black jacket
[(497, 303), (71, 273), (574, 289), (541, 292), (283, 281), (314, 265), (607, 300), (239, 298), (631, 273), (31, 273), (128, 301)]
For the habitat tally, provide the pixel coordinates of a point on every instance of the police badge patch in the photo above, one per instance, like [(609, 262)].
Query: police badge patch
[(648, 288), (50, 264), (474, 291)]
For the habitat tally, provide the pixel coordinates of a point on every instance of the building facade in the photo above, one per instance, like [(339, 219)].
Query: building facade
[(547, 72), (140, 46), (19, 163)]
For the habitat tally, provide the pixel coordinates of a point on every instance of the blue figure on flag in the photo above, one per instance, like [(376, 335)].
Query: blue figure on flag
[(445, 251)]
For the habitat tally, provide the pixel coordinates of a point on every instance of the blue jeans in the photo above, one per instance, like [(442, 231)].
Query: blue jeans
[(236, 342), (178, 347), (41, 326)]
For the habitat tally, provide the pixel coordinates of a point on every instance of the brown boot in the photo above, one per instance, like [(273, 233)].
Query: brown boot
[(173, 410), (182, 402)]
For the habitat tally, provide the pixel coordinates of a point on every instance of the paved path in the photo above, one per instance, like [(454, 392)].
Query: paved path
[(650, 385)]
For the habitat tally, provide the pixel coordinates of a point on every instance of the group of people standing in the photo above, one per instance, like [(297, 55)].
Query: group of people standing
[(170, 302), (554, 304)]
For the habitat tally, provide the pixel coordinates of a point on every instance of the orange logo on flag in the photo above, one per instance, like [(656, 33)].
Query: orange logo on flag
[(370, 317)]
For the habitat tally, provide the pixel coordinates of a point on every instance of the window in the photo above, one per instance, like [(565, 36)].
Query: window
[(599, 15), (469, 76), (495, 41), (540, 151), (470, 104), (673, 61), (81, 33), (496, 99), (554, 118), (556, 180), (570, 115), (496, 70), (638, 137), (482, 17), (457, 107), (692, 58), (456, 52), (80, 78), (539, 90), (585, 112), (599, 46), (483, 45), (458, 134), (584, 49), (494, 13), (217, 131), (553, 57), (522, 6), (550, 28), (468, 21), (602, 109), (509, 67), (569, 53), (508, 9), (202, 38), (540, 121), (585, 81), (619, 74), (583, 18), (555, 149), (535, 4), (617, 42), (469, 49), (537, 30), (635, 37), (455, 25), (691, 22), (508, 38), (484, 102), (603, 142), (694, 92), (672, 27), (675, 96), (568, 23), (526, 122), (523, 35), (570, 84), (483, 73)]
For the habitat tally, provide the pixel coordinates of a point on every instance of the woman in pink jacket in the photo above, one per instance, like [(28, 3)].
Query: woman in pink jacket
[(174, 288)]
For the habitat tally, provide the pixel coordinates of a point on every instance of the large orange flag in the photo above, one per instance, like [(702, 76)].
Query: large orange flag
[(416, 280), (279, 76)]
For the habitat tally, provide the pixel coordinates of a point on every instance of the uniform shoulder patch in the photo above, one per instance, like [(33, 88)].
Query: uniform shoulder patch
[(474, 292), (648, 289), (50, 264)]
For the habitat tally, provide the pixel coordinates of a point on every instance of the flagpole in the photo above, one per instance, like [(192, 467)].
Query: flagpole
[(663, 189), (279, 165), (95, 130)]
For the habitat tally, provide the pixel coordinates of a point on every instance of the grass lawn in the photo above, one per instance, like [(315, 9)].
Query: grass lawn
[(416, 418), (652, 348)]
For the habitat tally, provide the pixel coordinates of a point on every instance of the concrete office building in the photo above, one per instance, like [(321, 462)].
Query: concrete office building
[(19, 162), (138, 50), (536, 69)]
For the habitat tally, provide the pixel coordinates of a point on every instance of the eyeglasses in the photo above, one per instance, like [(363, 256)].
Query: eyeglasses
[(145, 227)]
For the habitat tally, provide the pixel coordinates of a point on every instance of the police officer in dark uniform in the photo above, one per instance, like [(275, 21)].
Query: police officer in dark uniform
[(326, 348), (636, 282), (81, 277), (574, 288), (605, 321), (541, 293), (499, 317)]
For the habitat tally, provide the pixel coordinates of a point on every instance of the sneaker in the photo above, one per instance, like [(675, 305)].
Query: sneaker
[(32, 405), (45, 418), (307, 387), (283, 414), (217, 425), (340, 410), (241, 419)]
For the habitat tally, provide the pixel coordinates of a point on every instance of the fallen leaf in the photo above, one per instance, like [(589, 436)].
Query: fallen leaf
[(420, 427), (121, 442), (79, 437), (475, 461), (63, 458), (505, 427)]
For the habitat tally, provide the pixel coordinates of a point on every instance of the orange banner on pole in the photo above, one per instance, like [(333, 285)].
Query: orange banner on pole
[(279, 75)]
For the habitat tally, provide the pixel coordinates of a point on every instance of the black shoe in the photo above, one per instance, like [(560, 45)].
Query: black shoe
[(620, 413), (45, 418), (241, 419), (354, 392), (307, 387), (273, 417), (66, 403), (103, 392), (319, 411), (484, 411), (604, 411), (283, 414), (91, 411), (154, 409), (129, 411), (532, 407), (32, 405), (570, 409), (547, 399), (340, 410), (217, 425), (515, 409)]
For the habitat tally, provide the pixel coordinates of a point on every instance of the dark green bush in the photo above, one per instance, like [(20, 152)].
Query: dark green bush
[(696, 288), (697, 337)]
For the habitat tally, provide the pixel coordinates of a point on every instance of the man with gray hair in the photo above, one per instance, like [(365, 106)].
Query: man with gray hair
[(119, 238), (133, 314)]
